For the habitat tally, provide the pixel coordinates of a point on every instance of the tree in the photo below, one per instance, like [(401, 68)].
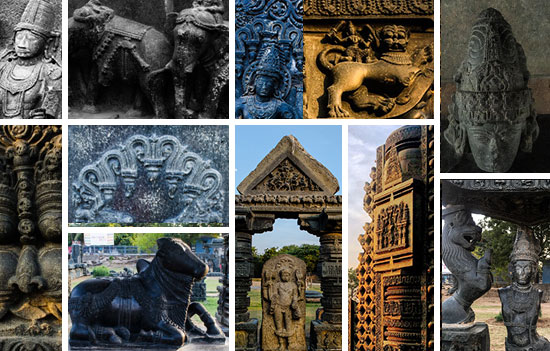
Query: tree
[(124, 239), (353, 281), (306, 252)]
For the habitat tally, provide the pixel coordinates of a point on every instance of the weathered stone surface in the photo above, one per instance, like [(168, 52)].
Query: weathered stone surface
[(284, 304), (368, 59), (395, 293), (465, 337), (151, 309), (268, 59), (149, 174), (30, 237), (222, 315)]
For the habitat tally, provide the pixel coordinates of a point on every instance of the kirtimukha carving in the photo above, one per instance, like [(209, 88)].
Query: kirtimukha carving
[(201, 54), (30, 76), (521, 301), (368, 59), (283, 304), (269, 59), (492, 110), (30, 238), (149, 309), (105, 48), (394, 298), (473, 276)]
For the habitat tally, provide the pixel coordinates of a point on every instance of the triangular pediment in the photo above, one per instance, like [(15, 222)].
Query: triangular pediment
[(289, 169)]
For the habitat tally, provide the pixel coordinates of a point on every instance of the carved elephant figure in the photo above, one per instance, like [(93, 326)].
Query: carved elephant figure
[(200, 64), (105, 48)]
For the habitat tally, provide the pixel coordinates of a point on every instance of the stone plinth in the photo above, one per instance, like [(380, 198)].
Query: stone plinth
[(465, 337), (325, 336), (246, 335)]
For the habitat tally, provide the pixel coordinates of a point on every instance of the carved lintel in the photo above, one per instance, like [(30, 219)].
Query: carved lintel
[(251, 222), (322, 223)]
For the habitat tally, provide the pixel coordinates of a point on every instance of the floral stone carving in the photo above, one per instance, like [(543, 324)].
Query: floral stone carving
[(30, 76), (492, 110), (269, 59), (30, 237), (283, 304), (177, 175)]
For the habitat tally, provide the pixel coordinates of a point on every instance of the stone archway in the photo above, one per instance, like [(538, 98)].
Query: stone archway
[(290, 183)]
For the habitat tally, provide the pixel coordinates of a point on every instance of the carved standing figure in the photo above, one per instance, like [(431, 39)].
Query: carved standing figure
[(473, 276), (105, 48), (30, 77), (521, 301), (150, 308)]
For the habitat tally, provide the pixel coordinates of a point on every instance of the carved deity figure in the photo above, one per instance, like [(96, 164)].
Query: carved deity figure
[(521, 301), (473, 276), (30, 77), (267, 83), (283, 301), (492, 110), (375, 70)]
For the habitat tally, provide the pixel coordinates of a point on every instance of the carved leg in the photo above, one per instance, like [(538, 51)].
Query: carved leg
[(181, 98), (210, 105), (81, 335), (335, 108), (137, 108), (92, 93)]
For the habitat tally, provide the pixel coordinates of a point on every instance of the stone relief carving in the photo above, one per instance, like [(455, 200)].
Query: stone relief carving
[(30, 235), (371, 7), (283, 304), (392, 226), (287, 177), (521, 301), (163, 161), (377, 69), (269, 59), (30, 75), (492, 111), (159, 294)]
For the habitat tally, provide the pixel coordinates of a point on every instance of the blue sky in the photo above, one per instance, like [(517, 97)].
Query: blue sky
[(253, 143)]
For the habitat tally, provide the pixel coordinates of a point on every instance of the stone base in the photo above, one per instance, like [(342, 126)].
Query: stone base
[(46, 343), (246, 336), (325, 336), (190, 347), (465, 337)]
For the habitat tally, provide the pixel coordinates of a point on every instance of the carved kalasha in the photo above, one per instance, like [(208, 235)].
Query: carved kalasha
[(492, 110), (30, 237), (394, 309), (182, 175), (289, 183), (30, 76), (269, 59)]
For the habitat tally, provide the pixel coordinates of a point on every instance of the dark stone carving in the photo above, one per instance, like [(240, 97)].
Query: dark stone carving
[(521, 301), (149, 168), (395, 293), (492, 110), (473, 276), (30, 237), (300, 188), (30, 76), (222, 315), (199, 291), (154, 304), (283, 304), (269, 59)]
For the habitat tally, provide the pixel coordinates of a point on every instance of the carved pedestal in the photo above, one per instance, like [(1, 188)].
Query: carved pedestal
[(246, 335), (222, 315), (325, 336), (465, 337)]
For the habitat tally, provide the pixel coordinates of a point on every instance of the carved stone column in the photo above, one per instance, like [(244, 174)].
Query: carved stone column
[(222, 315)]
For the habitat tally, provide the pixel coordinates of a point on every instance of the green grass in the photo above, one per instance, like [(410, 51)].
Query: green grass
[(212, 284)]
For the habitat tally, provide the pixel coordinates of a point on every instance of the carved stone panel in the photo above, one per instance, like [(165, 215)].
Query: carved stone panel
[(132, 175), (283, 304), (30, 238), (368, 59), (268, 59)]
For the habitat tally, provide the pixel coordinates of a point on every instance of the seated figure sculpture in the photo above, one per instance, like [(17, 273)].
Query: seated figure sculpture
[(267, 83), (521, 301), (30, 77), (149, 309)]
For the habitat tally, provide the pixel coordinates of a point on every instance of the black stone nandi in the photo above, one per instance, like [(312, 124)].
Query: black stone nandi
[(150, 308)]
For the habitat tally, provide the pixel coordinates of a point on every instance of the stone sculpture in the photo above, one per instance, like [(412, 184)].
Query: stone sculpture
[(222, 315), (105, 49), (473, 276), (30, 238), (269, 59), (201, 53), (30, 76), (150, 309), (184, 179), (283, 304), (521, 301), (395, 269), (492, 110)]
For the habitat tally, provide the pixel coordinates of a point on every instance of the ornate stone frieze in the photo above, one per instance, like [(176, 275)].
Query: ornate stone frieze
[(269, 59), (392, 226), (286, 177), (30, 237), (338, 8)]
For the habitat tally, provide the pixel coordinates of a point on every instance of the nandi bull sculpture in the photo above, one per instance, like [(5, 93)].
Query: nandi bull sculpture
[(473, 276), (151, 308)]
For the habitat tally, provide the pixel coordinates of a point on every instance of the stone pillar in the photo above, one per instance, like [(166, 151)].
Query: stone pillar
[(222, 315)]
